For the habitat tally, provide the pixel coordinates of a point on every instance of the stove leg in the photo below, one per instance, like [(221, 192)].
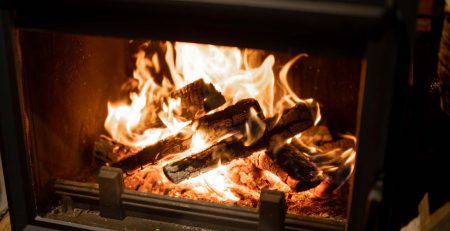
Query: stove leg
[(272, 210), (111, 187)]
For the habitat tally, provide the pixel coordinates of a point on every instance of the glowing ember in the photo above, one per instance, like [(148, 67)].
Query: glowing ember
[(153, 113)]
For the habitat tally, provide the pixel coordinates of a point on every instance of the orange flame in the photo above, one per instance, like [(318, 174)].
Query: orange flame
[(237, 74), (254, 128)]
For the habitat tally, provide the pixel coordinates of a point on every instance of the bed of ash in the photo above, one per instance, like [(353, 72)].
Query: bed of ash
[(239, 183)]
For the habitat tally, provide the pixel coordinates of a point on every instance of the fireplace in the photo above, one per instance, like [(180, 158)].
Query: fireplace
[(234, 123)]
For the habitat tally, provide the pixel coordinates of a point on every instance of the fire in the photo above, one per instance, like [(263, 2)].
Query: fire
[(216, 182), (153, 114), (254, 128), (227, 68)]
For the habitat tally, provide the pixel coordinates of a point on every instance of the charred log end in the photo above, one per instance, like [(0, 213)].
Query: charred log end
[(332, 182), (306, 185), (293, 183), (174, 174), (297, 166), (262, 161), (324, 189), (110, 151)]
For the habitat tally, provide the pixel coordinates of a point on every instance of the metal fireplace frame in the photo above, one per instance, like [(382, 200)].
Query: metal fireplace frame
[(373, 28)]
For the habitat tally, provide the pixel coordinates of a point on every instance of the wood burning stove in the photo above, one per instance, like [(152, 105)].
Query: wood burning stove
[(156, 114)]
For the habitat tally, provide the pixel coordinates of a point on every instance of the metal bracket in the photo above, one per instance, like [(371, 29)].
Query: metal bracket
[(66, 204), (111, 187), (272, 210)]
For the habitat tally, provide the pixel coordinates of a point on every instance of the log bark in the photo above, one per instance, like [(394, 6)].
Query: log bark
[(170, 145), (204, 161), (332, 182), (333, 179), (262, 161), (110, 151), (297, 165), (197, 98), (230, 120), (292, 121)]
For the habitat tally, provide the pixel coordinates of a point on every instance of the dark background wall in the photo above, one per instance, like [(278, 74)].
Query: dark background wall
[(67, 82)]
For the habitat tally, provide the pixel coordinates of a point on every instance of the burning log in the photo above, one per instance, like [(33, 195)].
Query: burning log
[(262, 161), (111, 151), (231, 119), (292, 122), (170, 145), (296, 165), (332, 182), (335, 164), (312, 138), (197, 98), (206, 160)]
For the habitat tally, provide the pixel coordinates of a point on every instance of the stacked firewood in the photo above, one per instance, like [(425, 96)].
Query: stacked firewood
[(227, 133)]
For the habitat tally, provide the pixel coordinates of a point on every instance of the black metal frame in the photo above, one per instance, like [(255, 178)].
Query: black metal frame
[(195, 213), (309, 26), (183, 211), (323, 27)]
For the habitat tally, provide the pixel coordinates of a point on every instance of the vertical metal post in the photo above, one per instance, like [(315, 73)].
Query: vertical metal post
[(272, 210), (21, 203), (110, 182)]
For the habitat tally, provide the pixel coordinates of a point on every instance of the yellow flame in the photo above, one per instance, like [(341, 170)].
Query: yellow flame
[(291, 96), (216, 182), (169, 117), (223, 66), (337, 158), (254, 127), (198, 142), (237, 73), (318, 115)]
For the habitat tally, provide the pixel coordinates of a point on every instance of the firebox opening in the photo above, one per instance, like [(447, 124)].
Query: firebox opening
[(195, 121)]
